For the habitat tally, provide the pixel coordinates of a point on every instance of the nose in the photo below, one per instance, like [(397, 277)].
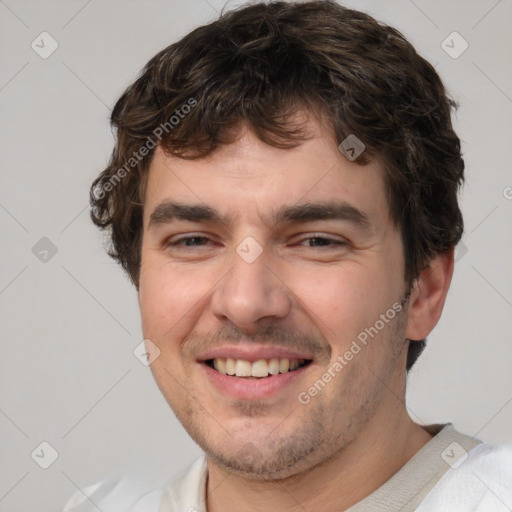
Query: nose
[(251, 292)]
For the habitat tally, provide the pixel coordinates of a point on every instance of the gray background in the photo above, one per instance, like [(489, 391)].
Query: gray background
[(70, 323)]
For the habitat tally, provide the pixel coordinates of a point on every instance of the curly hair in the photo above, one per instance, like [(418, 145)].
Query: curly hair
[(260, 64)]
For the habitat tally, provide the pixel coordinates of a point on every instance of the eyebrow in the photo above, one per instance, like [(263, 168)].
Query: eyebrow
[(169, 211)]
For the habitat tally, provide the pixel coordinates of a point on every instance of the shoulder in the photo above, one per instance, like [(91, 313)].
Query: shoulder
[(483, 481), (486, 462), (133, 490), (187, 491)]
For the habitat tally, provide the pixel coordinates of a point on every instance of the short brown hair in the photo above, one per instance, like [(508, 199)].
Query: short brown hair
[(258, 65)]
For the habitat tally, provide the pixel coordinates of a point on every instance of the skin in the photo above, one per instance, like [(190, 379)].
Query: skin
[(277, 453)]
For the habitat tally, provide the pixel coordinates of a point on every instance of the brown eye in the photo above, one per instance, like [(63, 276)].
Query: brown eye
[(320, 241), (189, 241)]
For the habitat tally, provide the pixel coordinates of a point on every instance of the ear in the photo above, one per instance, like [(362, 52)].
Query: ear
[(428, 295)]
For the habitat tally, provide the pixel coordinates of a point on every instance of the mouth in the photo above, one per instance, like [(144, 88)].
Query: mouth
[(259, 369), (250, 372)]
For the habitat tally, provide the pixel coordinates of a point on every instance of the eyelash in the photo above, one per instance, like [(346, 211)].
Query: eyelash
[(177, 243)]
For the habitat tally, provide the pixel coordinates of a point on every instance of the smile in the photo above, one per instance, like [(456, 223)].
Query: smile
[(261, 368)]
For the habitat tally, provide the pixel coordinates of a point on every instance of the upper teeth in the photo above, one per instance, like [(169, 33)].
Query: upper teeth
[(260, 368)]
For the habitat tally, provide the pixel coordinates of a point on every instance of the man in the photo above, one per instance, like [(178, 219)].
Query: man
[(283, 195)]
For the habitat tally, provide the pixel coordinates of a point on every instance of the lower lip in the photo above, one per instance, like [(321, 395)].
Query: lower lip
[(252, 388)]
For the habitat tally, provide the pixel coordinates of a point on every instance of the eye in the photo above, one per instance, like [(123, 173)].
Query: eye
[(194, 241), (188, 241), (321, 241)]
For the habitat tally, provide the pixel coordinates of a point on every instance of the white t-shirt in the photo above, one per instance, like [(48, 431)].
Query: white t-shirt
[(451, 473)]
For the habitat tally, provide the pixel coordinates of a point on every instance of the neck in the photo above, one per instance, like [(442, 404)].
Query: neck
[(380, 450)]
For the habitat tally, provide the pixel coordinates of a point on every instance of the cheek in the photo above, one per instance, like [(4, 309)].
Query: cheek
[(345, 299), (340, 297), (169, 297)]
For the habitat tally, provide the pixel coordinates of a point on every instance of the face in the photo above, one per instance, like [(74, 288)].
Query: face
[(283, 267)]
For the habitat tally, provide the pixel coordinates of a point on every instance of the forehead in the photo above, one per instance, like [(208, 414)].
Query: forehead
[(251, 180)]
